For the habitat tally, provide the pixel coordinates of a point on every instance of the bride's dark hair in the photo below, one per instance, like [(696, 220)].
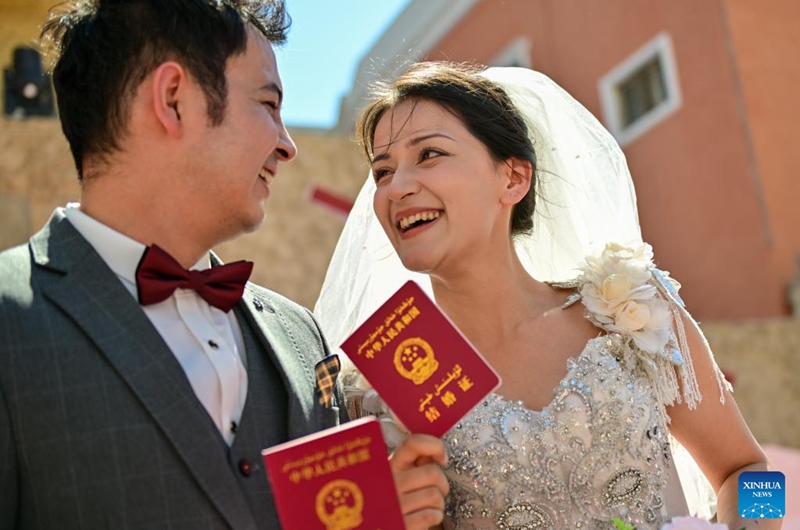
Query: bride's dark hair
[(484, 108)]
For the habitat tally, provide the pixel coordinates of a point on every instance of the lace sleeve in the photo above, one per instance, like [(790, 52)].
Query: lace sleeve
[(668, 289), (625, 293)]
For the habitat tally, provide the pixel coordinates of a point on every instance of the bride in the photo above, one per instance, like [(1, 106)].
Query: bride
[(515, 209)]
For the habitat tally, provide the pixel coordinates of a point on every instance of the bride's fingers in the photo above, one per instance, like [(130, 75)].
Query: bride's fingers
[(427, 478), (418, 449), (421, 483), (421, 500), (422, 508), (424, 520)]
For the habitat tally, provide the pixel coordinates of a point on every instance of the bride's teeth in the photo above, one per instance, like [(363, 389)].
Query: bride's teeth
[(406, 222)]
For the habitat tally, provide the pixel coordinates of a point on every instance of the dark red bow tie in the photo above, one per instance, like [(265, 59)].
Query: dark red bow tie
[(158, 275)]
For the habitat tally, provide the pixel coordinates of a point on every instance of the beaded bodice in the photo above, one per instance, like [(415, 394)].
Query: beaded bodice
[(599, 450)]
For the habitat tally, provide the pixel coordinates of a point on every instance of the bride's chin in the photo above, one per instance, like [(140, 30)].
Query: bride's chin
[(416, 264)]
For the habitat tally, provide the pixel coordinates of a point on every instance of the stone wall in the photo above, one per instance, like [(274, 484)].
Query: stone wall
[(291, 250), (764, 359), (36, 170), (36, 174)]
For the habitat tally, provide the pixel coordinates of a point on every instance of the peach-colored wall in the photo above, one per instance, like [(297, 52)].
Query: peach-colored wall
[(699, 204), (768, 56)]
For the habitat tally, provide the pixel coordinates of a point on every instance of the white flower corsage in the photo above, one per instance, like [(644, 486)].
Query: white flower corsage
[(620, 297)]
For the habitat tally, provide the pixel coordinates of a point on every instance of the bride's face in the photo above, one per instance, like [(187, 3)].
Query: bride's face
[(439, 191)]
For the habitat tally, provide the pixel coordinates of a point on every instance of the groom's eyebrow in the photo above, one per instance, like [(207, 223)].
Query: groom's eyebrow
[(273, 87), (412, 143)]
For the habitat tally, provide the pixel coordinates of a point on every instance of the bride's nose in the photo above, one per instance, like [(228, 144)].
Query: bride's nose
[(403, 184)]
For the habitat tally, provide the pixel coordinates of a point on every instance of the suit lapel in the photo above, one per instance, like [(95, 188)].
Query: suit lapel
[(282, 350), (91, 294)]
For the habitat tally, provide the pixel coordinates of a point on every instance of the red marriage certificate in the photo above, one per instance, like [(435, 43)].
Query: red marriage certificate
[(337, 479), (425, 370)]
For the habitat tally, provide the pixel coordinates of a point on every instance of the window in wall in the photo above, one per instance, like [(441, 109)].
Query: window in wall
[(641, 91)]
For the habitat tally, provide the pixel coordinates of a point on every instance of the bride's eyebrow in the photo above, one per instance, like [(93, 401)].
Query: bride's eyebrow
[(412, 143), (382, 156), (420, 139)]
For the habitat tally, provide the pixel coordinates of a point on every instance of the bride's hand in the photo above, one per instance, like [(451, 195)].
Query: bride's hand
[(421, 483)]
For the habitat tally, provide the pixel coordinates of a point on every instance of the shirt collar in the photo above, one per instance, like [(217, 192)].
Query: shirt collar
[(121, 253)]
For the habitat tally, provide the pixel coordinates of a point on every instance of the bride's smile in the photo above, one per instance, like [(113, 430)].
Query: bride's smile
[(439, 192)]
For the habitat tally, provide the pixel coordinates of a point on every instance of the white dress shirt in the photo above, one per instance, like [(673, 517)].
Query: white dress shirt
[(206, 341)]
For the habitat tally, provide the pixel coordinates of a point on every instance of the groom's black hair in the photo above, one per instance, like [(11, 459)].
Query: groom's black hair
[(104, 49)]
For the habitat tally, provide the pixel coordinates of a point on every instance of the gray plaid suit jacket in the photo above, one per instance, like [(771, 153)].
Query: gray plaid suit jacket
[(99, 426)]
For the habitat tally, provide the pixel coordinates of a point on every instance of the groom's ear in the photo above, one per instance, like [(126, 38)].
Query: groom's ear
[(518, 178), (171, 97)]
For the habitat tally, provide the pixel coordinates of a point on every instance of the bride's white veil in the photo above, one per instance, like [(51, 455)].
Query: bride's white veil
[(585, 197)]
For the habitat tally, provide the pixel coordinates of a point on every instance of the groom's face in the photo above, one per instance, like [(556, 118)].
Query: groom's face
[(238, 160)]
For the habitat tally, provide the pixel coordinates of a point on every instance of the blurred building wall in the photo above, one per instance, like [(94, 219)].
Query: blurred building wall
[(763, 359), (767, 50), (19, 23), (716, 179)]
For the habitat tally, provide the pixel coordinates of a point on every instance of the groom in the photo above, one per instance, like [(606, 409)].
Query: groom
[(135, 393)]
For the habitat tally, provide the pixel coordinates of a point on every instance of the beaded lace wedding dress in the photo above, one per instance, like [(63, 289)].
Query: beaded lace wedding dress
[(601, 448)]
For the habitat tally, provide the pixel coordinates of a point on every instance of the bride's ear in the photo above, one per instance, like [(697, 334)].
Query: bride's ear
[(518, 177)]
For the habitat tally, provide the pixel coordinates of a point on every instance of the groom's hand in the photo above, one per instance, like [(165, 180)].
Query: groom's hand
[(421, 483)]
